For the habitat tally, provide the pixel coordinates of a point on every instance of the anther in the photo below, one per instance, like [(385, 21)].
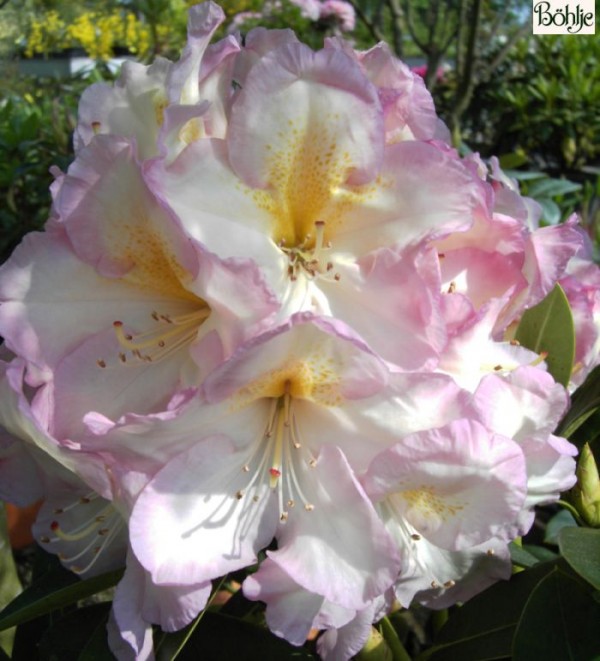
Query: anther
[(101, 363), (122, 357), (84, 501), (96, 127), (54, 525), (415, 537), (449, 584), (100, 518), (44, 539), (297, 445), (308, 507), (155, 316), (498, 368), (452, 287), (283, 516), (58, 510), (312, 463), (290, 503), (441, 255), (490, 552), (246, 468), (434, 584), (273, 472), (239, 494), (337, 277), (103, 531), (515, 343), (255, 499)]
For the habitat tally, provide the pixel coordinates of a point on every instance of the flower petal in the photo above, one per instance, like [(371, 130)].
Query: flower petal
[(340, 549), (188, 525)]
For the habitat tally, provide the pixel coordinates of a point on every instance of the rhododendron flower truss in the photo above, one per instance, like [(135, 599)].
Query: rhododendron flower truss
[(113, 301), (305, 185)]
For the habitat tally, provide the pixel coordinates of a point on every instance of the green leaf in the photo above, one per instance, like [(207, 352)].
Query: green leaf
[(552, 188), (550, 210), (10, 586), (562, 519), (581, 549), (521, 557), (559, 621), (56, 589), (78, 636), (219, 637), (548, 328), (523, 175), (484, 627), (584, 403), (540, 552), (512, 160)]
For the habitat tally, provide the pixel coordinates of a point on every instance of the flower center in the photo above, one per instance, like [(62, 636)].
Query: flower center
[(309, 256), (276, 456)]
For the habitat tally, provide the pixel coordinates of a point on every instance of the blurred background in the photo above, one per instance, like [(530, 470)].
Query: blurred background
[(531, 100)]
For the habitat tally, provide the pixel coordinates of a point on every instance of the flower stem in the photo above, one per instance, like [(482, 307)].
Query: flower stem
[(399, 653)]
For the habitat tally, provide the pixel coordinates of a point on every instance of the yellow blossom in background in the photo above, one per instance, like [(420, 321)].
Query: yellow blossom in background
[(98, 34), (46, 34)]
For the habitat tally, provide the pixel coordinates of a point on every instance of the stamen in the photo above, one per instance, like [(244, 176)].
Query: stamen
[(158, 343)]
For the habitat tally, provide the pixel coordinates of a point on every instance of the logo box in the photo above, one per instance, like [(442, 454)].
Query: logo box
[(564, 16)]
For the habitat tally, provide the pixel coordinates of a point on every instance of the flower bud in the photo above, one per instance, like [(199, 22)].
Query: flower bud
[(375, 649), (586, 493)]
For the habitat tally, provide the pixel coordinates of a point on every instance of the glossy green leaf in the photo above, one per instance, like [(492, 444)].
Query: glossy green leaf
[(78, 636), (581, 549), (563, 519), (521, 557), (559, 621), (483, 629), (219, 637), (548, 328), (56, 589), (584, 403)]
